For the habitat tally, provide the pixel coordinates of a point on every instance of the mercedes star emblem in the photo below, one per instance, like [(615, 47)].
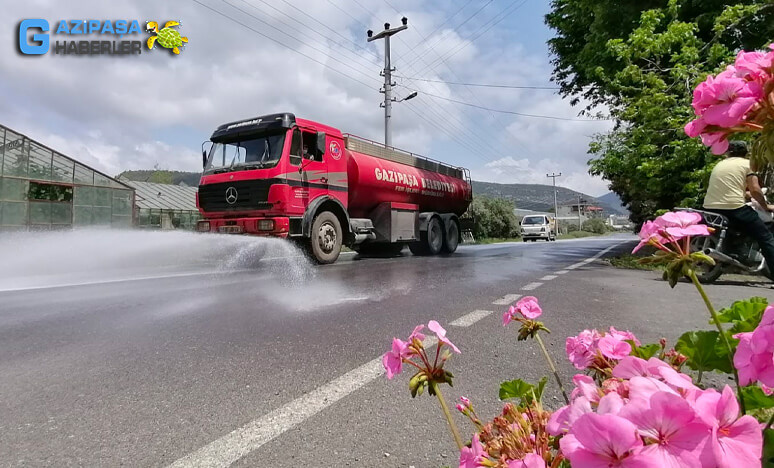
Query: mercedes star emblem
[(231, 195)]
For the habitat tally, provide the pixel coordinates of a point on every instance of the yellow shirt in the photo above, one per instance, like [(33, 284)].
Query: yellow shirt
[(727, 184)]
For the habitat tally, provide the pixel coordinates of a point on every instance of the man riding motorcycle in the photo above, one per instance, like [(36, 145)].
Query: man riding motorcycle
[(728, 182)]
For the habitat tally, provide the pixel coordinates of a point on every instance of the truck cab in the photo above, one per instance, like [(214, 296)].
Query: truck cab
[(260, 175)]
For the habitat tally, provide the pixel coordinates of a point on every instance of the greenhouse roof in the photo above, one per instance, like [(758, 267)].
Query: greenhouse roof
[(163, 196)]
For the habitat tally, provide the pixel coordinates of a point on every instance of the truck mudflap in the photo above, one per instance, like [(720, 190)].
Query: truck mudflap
[(274, 226)]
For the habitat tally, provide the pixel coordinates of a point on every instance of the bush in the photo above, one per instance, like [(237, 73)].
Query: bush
[(494, 218), (595, 225)]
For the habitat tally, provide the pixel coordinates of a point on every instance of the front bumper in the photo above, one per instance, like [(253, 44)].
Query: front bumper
[(257, 226), (535, 235)]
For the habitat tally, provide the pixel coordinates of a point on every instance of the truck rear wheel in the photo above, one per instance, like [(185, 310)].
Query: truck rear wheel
[(430, 241), (452, 238), (326, 238)]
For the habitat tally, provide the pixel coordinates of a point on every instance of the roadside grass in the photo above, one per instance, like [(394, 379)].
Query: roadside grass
[(497, 240), (578, 235), (631, 262)]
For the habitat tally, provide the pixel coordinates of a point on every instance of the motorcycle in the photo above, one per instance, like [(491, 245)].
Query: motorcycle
[(733, 252)]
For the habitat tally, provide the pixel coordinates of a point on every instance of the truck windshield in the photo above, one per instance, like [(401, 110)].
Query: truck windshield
[(534, 220), (256, 153)]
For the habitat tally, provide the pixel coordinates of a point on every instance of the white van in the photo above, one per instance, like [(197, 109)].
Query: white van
[(535, 227)]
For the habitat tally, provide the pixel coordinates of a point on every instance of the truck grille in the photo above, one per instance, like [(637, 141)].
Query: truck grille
[(250, 195)]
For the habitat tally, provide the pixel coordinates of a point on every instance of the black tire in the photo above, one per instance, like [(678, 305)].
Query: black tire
[(430, 241), (451, 238), (705, 273), (326, 238)]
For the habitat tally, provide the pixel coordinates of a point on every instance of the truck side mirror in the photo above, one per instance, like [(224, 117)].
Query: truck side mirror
[(321, 143), (204, 159)]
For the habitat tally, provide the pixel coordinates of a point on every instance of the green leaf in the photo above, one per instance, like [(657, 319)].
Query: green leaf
[(768, 447), (523, 390), (645, 351), (701, 348), (754, 398), (744, 315)]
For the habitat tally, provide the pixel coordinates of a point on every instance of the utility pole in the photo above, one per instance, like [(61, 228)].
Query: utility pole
[(580, 225), (387, 73), (553, 176)]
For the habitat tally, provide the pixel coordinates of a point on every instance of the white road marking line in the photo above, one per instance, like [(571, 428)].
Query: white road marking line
[(561, 272), (548, 278), (507, 299), (532, 286), (591, 259), (231, 447), (471, 318)]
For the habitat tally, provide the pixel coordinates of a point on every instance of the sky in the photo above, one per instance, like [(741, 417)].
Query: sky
[(247, 58)]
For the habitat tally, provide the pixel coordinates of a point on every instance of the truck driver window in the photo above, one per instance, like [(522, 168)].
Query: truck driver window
[(295, 148), (310, 147)]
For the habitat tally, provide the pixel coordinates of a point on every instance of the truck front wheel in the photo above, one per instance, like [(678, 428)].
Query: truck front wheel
[(326, 238)]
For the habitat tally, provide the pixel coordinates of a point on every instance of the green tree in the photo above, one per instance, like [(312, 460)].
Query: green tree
[(494, 217), (639, 62)]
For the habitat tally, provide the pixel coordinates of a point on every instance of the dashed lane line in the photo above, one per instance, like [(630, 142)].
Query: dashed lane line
[(531, 286), (548, 278), (471, 318), (561, 272), (507, 299), (226, 450)]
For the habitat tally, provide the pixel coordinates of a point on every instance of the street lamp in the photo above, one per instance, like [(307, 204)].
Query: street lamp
[(410, 96)]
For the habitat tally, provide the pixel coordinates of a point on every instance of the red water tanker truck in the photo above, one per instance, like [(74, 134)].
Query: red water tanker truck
[(278, 175)]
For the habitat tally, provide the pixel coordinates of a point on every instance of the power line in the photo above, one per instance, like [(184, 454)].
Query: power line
[(514, 6), (282, 44), (538, 116), (438, 40), (481, 85)]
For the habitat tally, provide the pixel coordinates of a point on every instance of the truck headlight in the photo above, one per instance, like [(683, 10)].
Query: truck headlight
[(203, 226), (266, 225)]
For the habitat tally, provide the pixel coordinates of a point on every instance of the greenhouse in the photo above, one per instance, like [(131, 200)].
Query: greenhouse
[(164, 206), (41, 189)]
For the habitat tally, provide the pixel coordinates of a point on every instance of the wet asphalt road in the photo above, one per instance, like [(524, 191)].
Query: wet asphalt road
[(145, 372)]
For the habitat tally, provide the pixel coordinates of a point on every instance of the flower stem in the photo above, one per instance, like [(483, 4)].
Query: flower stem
[(771, 421), (452, 426), (716, 320), (552, 366)]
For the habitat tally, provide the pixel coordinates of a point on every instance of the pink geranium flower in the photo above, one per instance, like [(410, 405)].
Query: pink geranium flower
[(440, 332), (417, 333), (582, 349), (735, 441), (613, 348), (529, 308), (393, 359), (679, 224), (471, 456), (754, 356), (624, 335), (531, 460), (754, 65), (649, 230), (672, 423), (725, 100), (605, 440), (563, 419)]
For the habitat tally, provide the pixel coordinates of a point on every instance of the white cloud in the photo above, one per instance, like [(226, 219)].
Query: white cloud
[(136, 112)]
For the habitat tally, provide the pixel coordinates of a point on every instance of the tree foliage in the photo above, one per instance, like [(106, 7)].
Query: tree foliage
[(595, 225), (639, 62), (494, 217)]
